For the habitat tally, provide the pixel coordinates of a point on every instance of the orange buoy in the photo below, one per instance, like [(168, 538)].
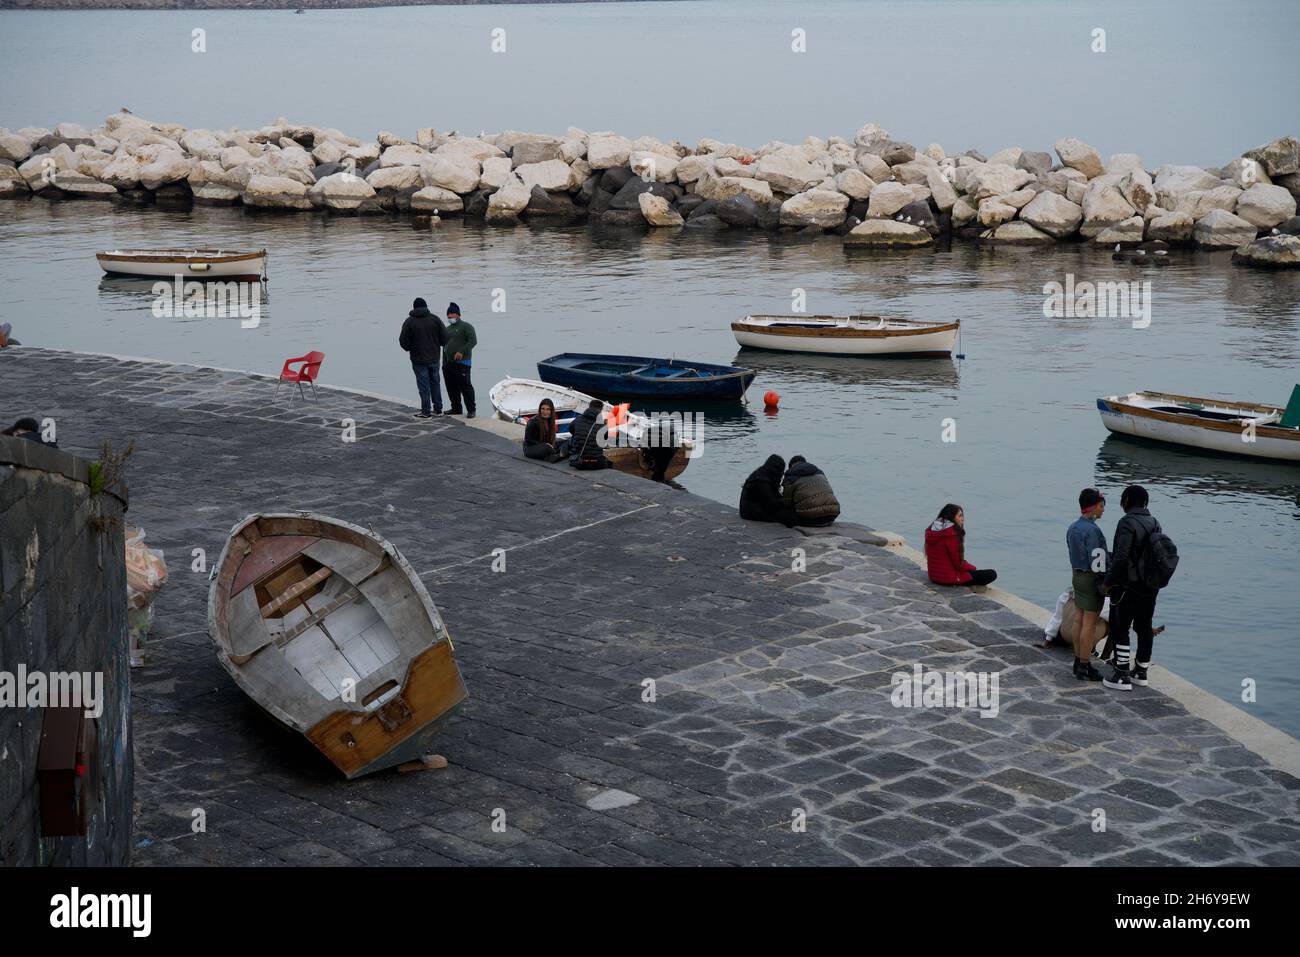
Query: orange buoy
[(771, 399)]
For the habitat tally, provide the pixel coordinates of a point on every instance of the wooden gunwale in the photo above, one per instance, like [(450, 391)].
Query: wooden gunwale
[(841, 332), (1212, 425), (209, 256)]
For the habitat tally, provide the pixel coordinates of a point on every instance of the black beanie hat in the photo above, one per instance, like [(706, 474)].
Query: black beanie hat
[(596, 404), (1088, 498), (419, 304), (23, 425), (453, 310)]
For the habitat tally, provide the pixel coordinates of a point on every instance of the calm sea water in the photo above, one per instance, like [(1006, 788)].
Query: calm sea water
[(1028, 435), (1180, 81)]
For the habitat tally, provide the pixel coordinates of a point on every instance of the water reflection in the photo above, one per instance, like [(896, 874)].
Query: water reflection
[(186, 299), (902, 374), (1125, 460)]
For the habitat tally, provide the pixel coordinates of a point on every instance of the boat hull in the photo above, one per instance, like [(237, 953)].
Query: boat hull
[(244, 267), (728, 384), (826, 342), (1224, 437), (329, 630), (515, 400)]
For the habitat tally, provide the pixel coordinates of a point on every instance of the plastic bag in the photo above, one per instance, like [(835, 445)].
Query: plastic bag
[(146, 573)]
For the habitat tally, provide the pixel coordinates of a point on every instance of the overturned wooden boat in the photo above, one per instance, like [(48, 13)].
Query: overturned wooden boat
[(326, 627), (200, 265), (1234, 428), (847, 335), (516, 400)]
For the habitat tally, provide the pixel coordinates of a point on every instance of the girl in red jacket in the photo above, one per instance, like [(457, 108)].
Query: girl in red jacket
[(945, 551)]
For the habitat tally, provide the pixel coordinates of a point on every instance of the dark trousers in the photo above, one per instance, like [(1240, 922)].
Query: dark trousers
[(539, 451), (1132, 609), (459, 388), (426, 380), (983, 576)]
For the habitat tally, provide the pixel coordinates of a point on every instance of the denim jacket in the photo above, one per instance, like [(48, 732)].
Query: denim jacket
[(1082, 539)]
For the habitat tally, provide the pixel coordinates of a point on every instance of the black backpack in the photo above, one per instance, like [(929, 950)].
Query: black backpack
[(1157, 561)]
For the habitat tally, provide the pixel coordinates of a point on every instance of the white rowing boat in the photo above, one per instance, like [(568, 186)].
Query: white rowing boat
[(197, 264), (1234, 428), (516, 400), (329, 629), (847, 335)]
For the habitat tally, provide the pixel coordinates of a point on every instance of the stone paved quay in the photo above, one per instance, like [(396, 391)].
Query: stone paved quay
[(773, 685)]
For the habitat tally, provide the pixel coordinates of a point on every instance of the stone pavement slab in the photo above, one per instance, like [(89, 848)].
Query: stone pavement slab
[(770, 739)]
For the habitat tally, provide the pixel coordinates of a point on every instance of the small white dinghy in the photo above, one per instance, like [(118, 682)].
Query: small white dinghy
[(1234, 428), (201, 265), (328, 628), (516, 400), (847, 335)]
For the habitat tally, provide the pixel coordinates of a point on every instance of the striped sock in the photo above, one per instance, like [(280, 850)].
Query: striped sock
[(1122, 656)]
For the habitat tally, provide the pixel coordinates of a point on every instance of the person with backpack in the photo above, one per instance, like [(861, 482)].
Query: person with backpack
[(1086, 544), (1143, 562), (585, 440)]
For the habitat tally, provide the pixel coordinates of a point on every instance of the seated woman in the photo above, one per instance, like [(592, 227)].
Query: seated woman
[(539, 435), (945, 551), (760, 497)]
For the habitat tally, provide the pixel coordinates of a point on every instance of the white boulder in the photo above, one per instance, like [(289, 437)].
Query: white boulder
[(1077, 154), (657, 212), (607, 150), (1265, 206), (815, 207), (1220, 229)]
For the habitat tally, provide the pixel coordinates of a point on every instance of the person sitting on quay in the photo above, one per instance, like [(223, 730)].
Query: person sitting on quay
[(423, 335), (585, 449), (760, 496), (1086, 544), (30, 429), (540, 440), (807, 492), (457, 353), (945, 551)]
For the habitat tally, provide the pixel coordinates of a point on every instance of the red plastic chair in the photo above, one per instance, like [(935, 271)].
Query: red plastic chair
[(307, 372)]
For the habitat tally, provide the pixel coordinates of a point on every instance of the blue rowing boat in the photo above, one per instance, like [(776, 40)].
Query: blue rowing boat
[(636, 377)]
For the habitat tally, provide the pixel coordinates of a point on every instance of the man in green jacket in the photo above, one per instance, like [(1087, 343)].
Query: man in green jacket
[(457, 355), (807, 492)]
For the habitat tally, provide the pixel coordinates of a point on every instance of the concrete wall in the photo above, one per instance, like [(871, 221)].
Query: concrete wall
[(62, 608)]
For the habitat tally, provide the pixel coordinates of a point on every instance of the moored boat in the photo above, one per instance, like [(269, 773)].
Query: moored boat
[(201, 265), (1233, 428), (847, 335), (638, 377), (516, 400), (328, 628)]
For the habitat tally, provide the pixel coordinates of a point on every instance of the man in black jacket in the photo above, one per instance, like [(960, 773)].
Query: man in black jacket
[(423, 336), (585, 449), (760, 496), (1132, 604)]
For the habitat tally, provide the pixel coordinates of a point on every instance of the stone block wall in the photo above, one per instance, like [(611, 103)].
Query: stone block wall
[(62, 609)]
